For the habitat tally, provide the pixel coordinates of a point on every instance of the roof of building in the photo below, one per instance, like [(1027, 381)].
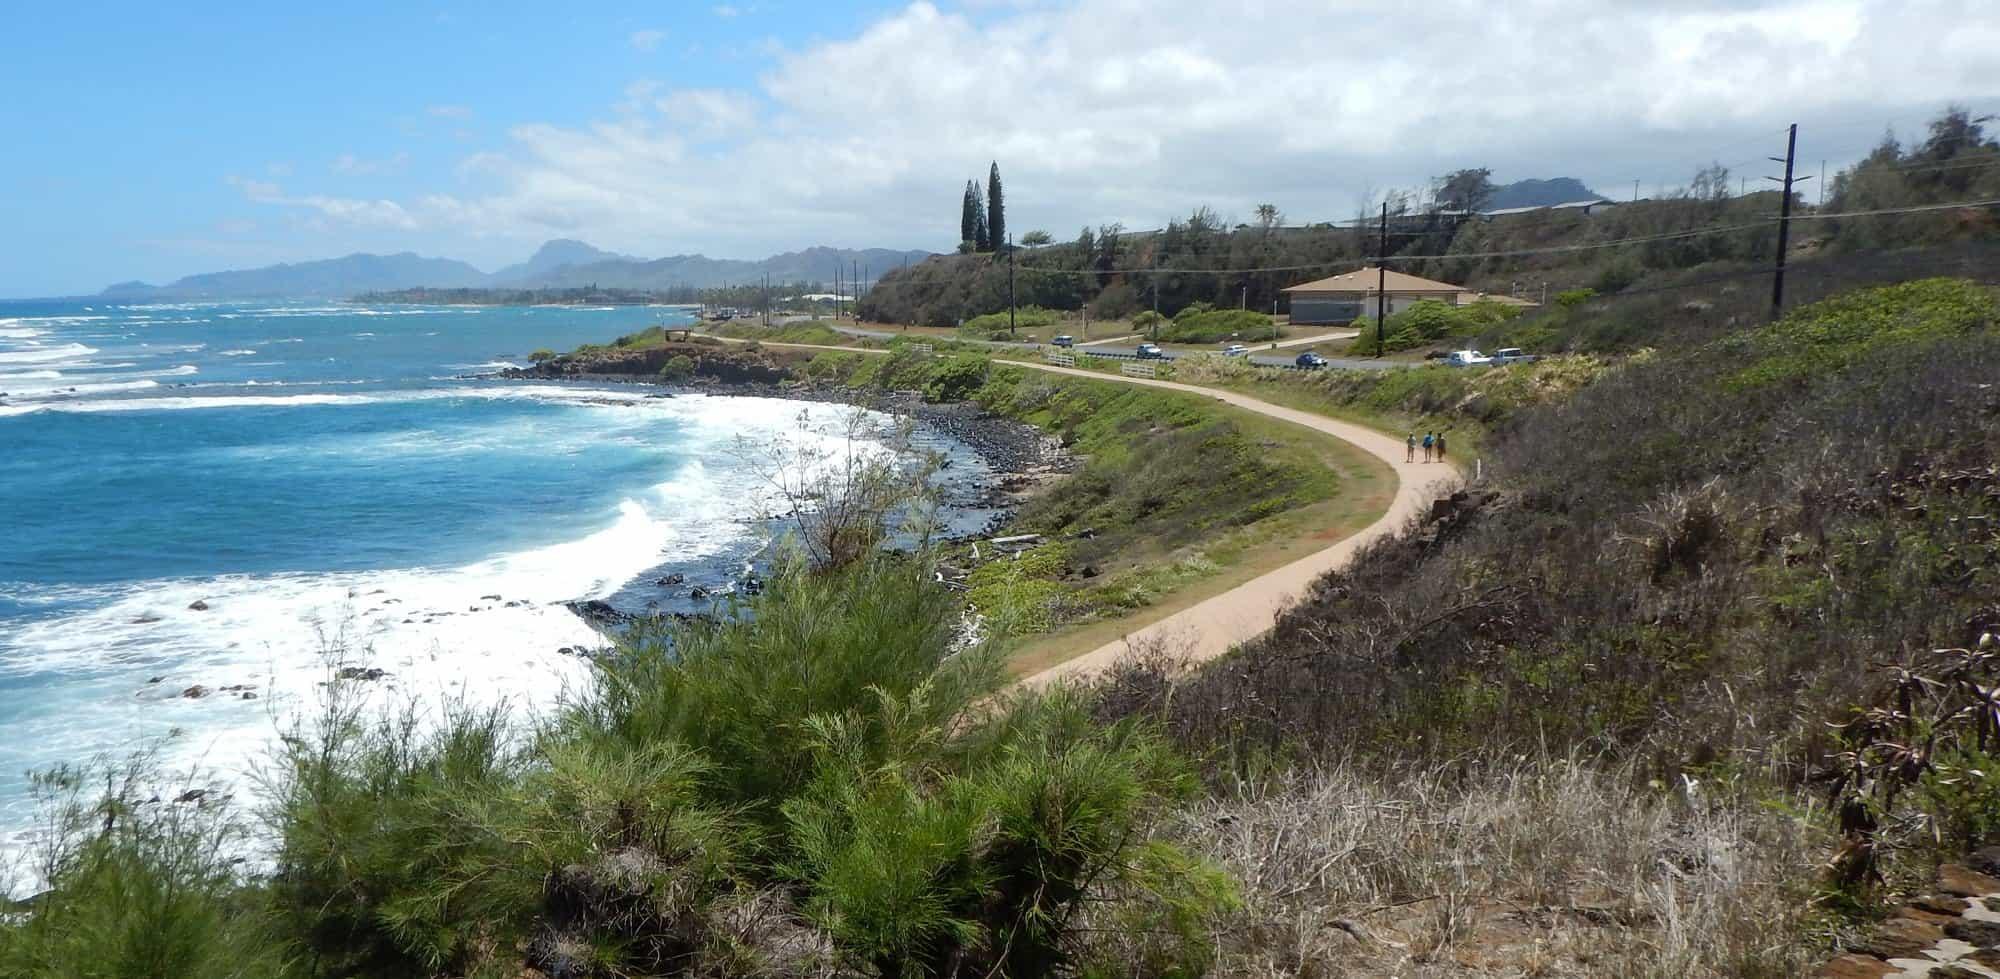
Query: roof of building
[(1564, 206), (1363, 280)]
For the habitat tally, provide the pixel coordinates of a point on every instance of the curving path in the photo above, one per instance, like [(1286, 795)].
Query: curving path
[(1209, 628)]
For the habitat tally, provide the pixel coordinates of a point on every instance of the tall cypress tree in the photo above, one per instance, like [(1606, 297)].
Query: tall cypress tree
[(981, 237), (968, 225), (996, 208)]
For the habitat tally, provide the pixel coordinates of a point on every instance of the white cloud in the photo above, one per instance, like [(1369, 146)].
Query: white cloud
[(647, 40), (343, 211), (449, 111), (1102, 110), (347, 164), (726, 11), (708, 112)]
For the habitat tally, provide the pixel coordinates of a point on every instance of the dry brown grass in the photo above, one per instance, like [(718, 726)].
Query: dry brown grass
[(1542, 869)]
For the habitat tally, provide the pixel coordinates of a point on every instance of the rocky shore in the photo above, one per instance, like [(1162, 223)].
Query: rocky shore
[(1020, 456), (1024, 453)]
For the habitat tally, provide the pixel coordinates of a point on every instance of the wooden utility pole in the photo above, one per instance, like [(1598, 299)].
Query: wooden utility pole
[(1784, 223), (1010, 283), (1382, 280)]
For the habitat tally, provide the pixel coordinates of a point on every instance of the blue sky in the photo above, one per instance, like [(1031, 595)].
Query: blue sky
[(136, 115), (148, 142)]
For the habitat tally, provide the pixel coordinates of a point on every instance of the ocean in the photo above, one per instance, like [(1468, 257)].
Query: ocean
[(216, 495)]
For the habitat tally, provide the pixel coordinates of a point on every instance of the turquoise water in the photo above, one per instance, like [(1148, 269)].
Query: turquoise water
[(328, 476)]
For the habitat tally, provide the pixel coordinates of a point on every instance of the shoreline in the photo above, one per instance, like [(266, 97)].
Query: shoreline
[(1015, 449), (1021, 457)]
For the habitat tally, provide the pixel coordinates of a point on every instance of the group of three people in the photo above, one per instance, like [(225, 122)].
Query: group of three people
[(1433, 444)]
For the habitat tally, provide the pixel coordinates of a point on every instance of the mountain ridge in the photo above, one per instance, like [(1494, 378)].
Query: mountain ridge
[(1541, 193), (558, 263)]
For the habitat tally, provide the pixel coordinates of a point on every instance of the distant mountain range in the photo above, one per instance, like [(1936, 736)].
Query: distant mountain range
[(1541, 193), (562, 263)]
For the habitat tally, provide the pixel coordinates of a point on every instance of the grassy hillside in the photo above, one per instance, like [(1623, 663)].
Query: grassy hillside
[(1689, 567), (1129, 527)]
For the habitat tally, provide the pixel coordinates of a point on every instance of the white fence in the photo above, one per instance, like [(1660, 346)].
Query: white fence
[(923, 348), (1136, 368), (1059, 358)]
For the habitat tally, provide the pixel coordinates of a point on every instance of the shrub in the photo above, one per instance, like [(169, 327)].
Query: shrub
[(541, 355), (679, 367), (1209, 326), (994, 326), (1572, 298), (954, 379), (136, 888), (1116, 302)]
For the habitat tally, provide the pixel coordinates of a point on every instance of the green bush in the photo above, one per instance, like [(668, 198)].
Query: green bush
[(954, 379), (679, 367), (541, 355), (136, 888), (994, 326), (1196, 325)]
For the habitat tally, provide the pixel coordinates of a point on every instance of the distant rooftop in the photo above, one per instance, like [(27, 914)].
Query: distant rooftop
[(1363, 280)]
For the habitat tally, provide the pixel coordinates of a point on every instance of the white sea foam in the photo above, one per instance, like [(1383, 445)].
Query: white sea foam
[(50, 320), (437, 631), (45, 355), (237, 353), (563, 394), (67, 389)]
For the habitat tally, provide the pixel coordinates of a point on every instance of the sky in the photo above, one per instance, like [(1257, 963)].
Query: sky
[(145, 141)]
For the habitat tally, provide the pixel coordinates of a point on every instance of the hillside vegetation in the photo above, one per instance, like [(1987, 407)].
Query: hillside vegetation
[(1128, 526), (1693, 683), (1689, 566), (1690, 236)]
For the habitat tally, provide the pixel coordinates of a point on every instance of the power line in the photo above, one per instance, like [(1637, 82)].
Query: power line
[(1550, 250), (1547, 250), (1946, 206)]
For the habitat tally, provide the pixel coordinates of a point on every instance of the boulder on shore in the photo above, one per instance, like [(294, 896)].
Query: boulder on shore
[(598, 613)]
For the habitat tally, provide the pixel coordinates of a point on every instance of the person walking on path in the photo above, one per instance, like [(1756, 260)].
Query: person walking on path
[(1428, 437), (1410, 448), (1440, 446)]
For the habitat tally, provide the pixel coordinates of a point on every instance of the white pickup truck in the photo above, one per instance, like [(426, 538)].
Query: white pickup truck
[(1513, 355)]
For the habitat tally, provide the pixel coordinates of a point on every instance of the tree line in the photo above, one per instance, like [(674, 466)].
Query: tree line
[(982, 221), (1440, 232)]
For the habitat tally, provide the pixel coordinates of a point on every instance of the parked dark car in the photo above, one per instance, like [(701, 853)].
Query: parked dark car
[(1064, 340), (1309, 361), (1150, 351)]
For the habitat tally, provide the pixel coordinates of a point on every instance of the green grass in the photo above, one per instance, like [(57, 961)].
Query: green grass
[(996, 326), (802, 332), (1131, 525)]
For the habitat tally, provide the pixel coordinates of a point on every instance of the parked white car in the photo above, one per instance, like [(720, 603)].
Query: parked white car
[(1236, 350), (1467, 358)]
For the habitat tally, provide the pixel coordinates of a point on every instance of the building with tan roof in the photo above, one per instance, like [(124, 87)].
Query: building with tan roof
[(1351, 296)]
